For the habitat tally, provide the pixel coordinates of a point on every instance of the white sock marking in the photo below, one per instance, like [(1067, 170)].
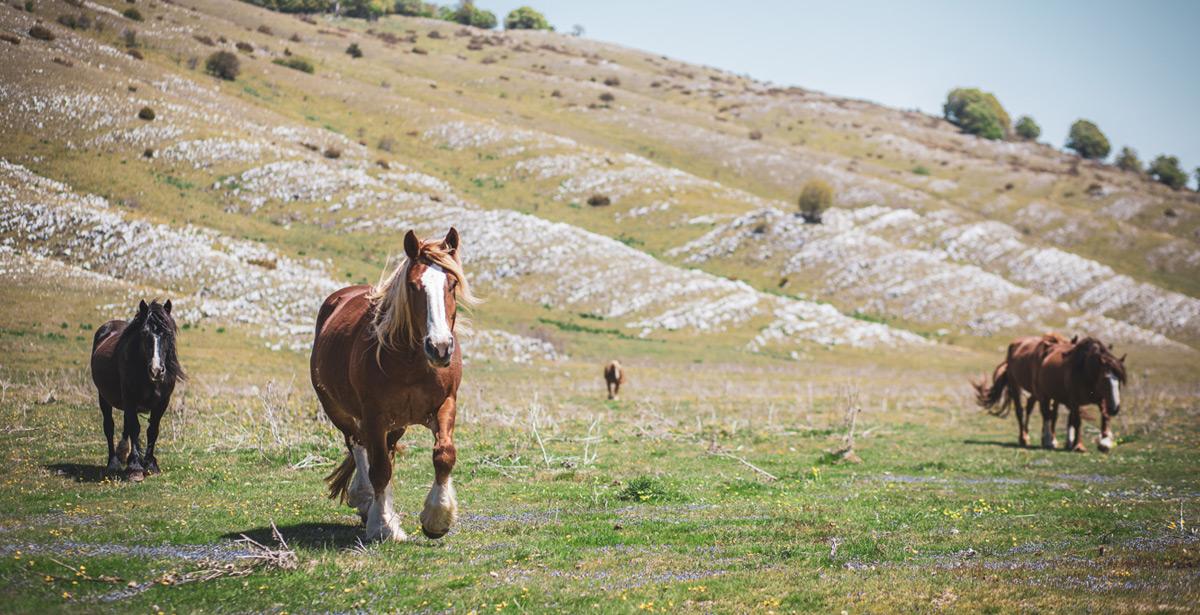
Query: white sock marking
[(382, 522), (441, 508), (361, 493)]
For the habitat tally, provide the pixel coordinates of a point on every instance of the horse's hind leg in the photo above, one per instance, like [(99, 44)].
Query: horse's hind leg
[(361, 494), (441, 505), (133, 432), (1025, 419), (382, 522), (1049, 410), (114, 463), (152, 439)]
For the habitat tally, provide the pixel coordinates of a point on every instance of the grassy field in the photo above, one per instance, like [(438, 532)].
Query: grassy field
[(710, 486)]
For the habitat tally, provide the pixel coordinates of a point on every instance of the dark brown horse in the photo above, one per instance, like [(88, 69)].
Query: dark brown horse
[(1081, 374), (386, 358), (135, 368), (1018, 372), (614, 377)]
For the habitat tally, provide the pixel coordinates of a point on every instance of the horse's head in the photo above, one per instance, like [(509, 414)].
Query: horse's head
[(417, 304), (155, 330), (1101, 372)]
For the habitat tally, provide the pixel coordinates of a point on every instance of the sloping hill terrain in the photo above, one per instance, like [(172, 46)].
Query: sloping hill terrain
[(612, 203)]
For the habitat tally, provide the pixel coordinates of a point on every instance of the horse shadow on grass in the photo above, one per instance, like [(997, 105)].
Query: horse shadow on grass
[(307, 535), (992, 443), (78, 472)]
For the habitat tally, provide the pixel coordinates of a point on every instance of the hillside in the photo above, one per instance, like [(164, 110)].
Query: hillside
[(613, 203)]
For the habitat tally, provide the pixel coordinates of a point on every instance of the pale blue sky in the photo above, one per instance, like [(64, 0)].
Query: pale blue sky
[(1128, 66)]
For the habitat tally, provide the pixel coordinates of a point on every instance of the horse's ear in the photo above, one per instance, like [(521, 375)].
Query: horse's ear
[(412, 245), (451, 241), (1075, 339), (1122, 359), (143, 308), (167, 306)]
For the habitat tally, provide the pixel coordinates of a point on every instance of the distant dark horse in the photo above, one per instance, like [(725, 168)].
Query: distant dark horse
[(386, 358), (614, 377), (1018, 372), (135, 368)]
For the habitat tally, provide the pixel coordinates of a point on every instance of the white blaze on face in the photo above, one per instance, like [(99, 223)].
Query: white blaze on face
[(436, 327), (156, 364), (1116, 390)]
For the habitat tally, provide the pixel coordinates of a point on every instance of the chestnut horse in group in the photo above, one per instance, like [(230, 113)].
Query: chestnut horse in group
[(134, 367), (1054, 371), (1018, 372), (385, 358), (614, 377)]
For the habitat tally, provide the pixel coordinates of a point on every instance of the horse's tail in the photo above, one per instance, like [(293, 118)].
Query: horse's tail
[(339, 479), (995, 398)]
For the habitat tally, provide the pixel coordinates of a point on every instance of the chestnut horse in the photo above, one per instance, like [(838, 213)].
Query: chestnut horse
[(135, 369), (614, 377), (1080, 374), (386, 358), (1018, 372)]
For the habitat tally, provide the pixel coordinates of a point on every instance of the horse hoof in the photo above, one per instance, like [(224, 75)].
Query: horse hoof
[(1104, 444), (1023, 441), (1079, 448), (152, 469), (433, 535), (135, 476)]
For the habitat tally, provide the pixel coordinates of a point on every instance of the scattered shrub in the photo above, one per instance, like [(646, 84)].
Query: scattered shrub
[(132, 14), (1087, 140), (1027, 129), (75, 22), (607, 97), (756, 135), (146, 113), (435, 34), (332, 153), (815, 198), (976, 112), (468, 14), (136, 54), (244, 47), (646, 489), (612, 82), (420, 51), (354, 51), (42, 33), (526, 18), (204, 39), (1166, 170), (148, 153), (224, 65), (130, 37), (387, 144), (556, 94), (8, 38), (265, 29), (296, 63), (1128, 160), (921, 169), (599, 200)]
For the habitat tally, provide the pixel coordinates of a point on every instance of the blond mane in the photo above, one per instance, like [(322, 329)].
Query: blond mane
[(393, 325)]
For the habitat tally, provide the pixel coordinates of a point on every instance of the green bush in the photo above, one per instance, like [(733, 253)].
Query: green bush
[(1128, 160), (223, 64), (296, 6), (365, 9), (468, 14), (132, 14), (1087, 140), (354, 50), (415, 8), (296, 63), (1027, 129), (647, 489), (977, 112), (526, 18), (815, 198), (41, 33), (1166, 170)]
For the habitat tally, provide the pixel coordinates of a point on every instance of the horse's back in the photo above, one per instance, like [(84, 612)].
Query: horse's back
[(105, 372), (340, 323)]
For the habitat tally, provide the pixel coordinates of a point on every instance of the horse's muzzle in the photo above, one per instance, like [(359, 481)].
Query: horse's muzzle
[(157, 375), (439, 353)]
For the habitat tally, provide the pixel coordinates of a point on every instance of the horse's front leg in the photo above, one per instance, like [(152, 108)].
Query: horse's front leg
[(1106, 442), (382, 521), (1022, 434), (1075, 430), (114, 463), (441, 505), (134, 471), (1049, 410), (152, 438)]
